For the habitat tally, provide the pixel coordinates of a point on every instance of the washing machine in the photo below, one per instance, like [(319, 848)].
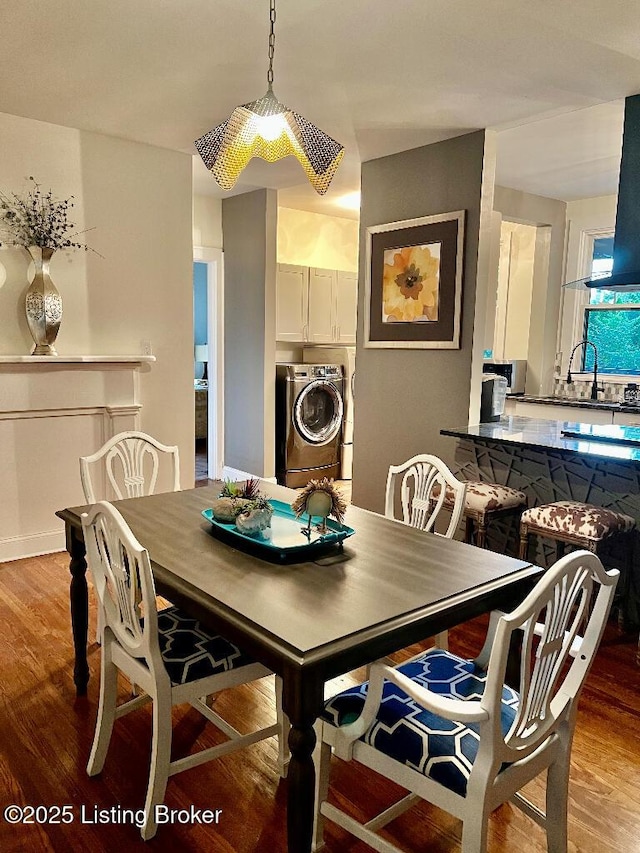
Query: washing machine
[(346, 356), (309, 418)]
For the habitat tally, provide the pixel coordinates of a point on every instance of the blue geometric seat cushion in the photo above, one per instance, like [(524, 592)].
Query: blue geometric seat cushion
[(440, 749), (190, 652)]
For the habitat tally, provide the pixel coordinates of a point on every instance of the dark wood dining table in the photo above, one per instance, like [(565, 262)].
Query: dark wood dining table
[(309, 619)]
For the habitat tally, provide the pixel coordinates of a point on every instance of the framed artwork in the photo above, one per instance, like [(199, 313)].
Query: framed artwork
[(414, 283)]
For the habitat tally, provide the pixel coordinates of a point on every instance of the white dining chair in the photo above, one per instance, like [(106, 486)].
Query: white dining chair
[(423, 483), (428, 490), (453, 733), (169, 654), (131, 462)]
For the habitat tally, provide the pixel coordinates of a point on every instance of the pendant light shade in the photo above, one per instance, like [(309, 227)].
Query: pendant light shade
[(266, 128)]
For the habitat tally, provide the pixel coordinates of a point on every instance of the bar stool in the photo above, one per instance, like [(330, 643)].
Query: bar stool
[(584, 526), (483, 503), (573, 523)]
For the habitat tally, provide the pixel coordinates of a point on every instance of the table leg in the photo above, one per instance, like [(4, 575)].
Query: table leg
[(79, 607), (303, 702)]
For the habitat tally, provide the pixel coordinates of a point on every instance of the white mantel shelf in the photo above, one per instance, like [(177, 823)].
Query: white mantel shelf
[(76, 359)]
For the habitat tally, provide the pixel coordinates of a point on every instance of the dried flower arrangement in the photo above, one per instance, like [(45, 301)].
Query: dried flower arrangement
[(38, 219)]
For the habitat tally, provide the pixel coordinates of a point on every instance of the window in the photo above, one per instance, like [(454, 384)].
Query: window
[(611, 320)]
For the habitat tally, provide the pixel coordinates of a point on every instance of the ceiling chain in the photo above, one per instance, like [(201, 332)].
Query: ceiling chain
[(272, 41)]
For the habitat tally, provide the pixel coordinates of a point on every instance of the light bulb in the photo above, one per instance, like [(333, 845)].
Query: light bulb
[(271, 127)]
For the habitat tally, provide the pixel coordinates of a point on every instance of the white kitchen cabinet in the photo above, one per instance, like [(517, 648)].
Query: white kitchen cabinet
[(346, 307), (573, 414), (316, 305), (509, 406), (292, 302), (322, 287), (626, 418)]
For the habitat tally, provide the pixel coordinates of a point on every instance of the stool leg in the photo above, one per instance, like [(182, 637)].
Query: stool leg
[(560, 550), (624, 586), (468, 533), (524, 543), (481, 533)]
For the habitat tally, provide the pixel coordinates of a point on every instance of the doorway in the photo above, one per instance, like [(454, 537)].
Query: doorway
[(208, 363)]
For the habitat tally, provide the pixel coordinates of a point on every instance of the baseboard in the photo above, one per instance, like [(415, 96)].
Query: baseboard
[(19, 547), (235, 474)]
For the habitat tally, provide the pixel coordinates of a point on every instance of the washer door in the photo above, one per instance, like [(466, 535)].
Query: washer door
[(317, 412)]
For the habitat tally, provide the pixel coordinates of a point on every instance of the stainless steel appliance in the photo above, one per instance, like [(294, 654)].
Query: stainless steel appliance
[(309, 415), (514, 371), (346, 356), (494, 393)]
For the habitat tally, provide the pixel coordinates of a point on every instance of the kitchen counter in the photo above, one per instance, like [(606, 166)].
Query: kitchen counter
[(603, 405), (537, 457), (607, 441)]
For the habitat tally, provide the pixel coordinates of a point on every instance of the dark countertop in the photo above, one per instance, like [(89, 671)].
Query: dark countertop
[(608, 441), (606, 405)]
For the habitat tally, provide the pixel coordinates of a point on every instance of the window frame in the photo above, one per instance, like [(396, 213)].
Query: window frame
[(581, 305)]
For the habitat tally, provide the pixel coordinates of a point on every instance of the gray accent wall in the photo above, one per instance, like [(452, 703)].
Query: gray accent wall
[(404, 397), (249, 224)]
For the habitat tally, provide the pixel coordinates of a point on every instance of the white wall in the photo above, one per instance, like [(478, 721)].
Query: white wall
[(515, 285), (585, 216), (207, 221), (138, 200), (316, 240), (536, 210)]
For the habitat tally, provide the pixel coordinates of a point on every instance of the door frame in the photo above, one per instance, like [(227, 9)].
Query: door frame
[(214, 259)]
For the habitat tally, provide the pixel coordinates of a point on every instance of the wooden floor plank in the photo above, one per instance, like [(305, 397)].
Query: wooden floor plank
[(46, 733)]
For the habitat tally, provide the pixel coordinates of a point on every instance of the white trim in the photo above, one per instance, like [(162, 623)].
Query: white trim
[(32, 545), (113, 411), (55, 360), (581, 298), (214, 259), (236, 475)]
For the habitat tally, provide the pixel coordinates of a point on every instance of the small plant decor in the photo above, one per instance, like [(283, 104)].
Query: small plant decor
[(38, 219), (244, 506)]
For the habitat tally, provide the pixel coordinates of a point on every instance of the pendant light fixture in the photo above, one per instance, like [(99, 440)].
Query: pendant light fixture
[(266, 128)]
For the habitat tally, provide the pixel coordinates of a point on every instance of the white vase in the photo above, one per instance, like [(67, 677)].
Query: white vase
[(43, 303)]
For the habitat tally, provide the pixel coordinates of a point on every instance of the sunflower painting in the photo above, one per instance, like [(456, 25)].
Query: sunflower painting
[(413, 282), (410, 284)]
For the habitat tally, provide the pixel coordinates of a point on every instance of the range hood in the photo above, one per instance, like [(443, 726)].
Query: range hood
[(625, 275)]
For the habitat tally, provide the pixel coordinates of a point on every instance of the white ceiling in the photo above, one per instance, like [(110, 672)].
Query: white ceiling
[(380, 76)]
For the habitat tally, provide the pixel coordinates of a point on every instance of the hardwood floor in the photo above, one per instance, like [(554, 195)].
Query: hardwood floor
[(46, 733)]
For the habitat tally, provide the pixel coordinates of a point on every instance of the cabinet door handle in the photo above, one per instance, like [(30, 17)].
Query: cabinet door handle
[(337, 333), (305, 332)]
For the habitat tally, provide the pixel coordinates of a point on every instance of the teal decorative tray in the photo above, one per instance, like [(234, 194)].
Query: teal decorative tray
[(287, 534)]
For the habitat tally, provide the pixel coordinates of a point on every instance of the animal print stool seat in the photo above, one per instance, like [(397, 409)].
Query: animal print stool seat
[(573, 523), (484, 502)]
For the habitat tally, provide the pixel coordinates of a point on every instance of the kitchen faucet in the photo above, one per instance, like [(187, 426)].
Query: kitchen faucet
[(594, 384)]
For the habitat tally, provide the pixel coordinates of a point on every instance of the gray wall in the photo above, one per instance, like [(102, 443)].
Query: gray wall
[(404, 397), (249, 228), (517, 206)]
